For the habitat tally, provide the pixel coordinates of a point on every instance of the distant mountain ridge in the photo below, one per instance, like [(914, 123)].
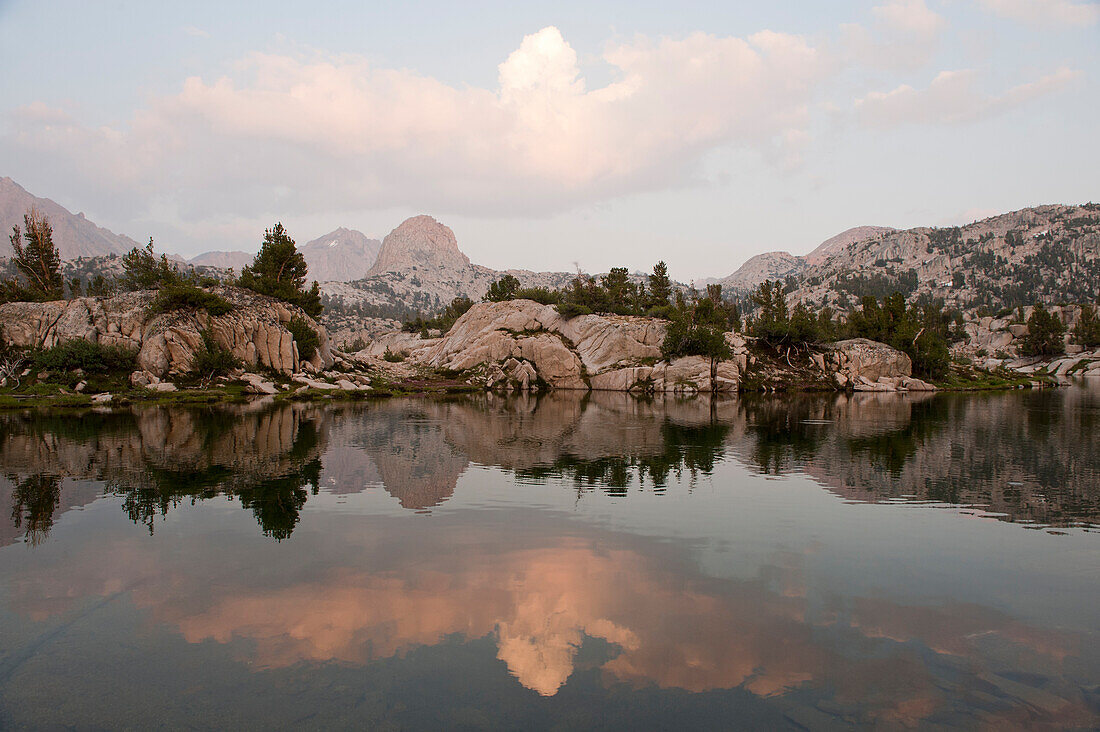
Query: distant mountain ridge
[(780, 265), (1048, 253), (74, 235)]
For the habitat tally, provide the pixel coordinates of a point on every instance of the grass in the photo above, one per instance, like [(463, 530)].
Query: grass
[(964, 377)]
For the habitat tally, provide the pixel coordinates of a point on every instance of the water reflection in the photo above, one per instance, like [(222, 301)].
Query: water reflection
[(1026, 456), (643, 605)]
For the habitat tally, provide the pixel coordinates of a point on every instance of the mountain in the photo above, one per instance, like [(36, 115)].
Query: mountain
[(420, 242), (842, 240), (780, 265), (342, 255), (339, 256), (74, 235), (1045, 253), (223, 260), (766, 266), (419, 268)]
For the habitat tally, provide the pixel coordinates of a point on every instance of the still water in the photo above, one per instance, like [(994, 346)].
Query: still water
[(820, 562)]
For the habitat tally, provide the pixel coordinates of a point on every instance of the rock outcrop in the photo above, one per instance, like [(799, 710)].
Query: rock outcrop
[(254, 331), (523, 345)]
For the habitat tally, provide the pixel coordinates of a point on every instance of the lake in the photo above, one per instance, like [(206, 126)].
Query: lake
[(564, 561)]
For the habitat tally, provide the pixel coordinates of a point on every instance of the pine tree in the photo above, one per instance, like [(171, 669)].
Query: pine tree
[(1087, 330), (660, 286), (279, 270), (37, 258), (1044, 334), (143, 271)]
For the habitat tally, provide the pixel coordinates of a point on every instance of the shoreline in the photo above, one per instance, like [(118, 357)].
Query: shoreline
[(237, 393)]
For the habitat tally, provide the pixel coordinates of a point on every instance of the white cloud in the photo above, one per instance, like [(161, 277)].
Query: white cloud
[(285, 133), (952, 97), (195, 31), (1048, 12)]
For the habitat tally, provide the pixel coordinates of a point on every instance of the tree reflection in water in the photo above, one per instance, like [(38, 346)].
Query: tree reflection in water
[(1028, 456), (34, 500)]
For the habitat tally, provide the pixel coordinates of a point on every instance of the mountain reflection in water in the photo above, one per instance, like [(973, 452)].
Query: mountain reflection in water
[(1024, 456), (584, 560)]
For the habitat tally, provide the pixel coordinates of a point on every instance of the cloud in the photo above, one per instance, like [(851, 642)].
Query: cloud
[(904, 35), (195, 31), (1047, 12), (288, 134), (952, 98), (909, 16)]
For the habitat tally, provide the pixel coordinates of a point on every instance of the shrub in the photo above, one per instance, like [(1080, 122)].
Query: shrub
[(185, 296), (213, 359), (442, 322), (93, 358), (392, 357), (570, 310), (305, 336), (502, 289), (541, 295)]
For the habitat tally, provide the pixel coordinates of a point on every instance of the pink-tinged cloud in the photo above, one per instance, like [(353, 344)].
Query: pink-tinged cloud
[(304, 134)]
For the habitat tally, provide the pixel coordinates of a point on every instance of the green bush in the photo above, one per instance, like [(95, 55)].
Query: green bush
[(698, 329), (93, 358), (186, 297), (304, 335), (502, 289), (442, 322), (570, 310), (541, 295), (212, 359), (392, 357)]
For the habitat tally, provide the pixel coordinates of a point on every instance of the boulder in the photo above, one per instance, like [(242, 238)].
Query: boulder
[(256, 384), (860, 357)]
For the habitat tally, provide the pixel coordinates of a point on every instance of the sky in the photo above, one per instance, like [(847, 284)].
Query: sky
[(551, 136)]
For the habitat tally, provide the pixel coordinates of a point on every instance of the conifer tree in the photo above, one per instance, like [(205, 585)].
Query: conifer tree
[(660, 286), (279, 270), (36, 258)]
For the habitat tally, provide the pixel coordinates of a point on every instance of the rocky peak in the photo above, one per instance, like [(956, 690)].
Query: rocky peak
[(420, 242), (843, 239), (342, 255), (74, 235)]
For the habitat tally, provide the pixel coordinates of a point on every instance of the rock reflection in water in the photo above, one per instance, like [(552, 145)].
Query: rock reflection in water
[(1026, 456), (560, 600)]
